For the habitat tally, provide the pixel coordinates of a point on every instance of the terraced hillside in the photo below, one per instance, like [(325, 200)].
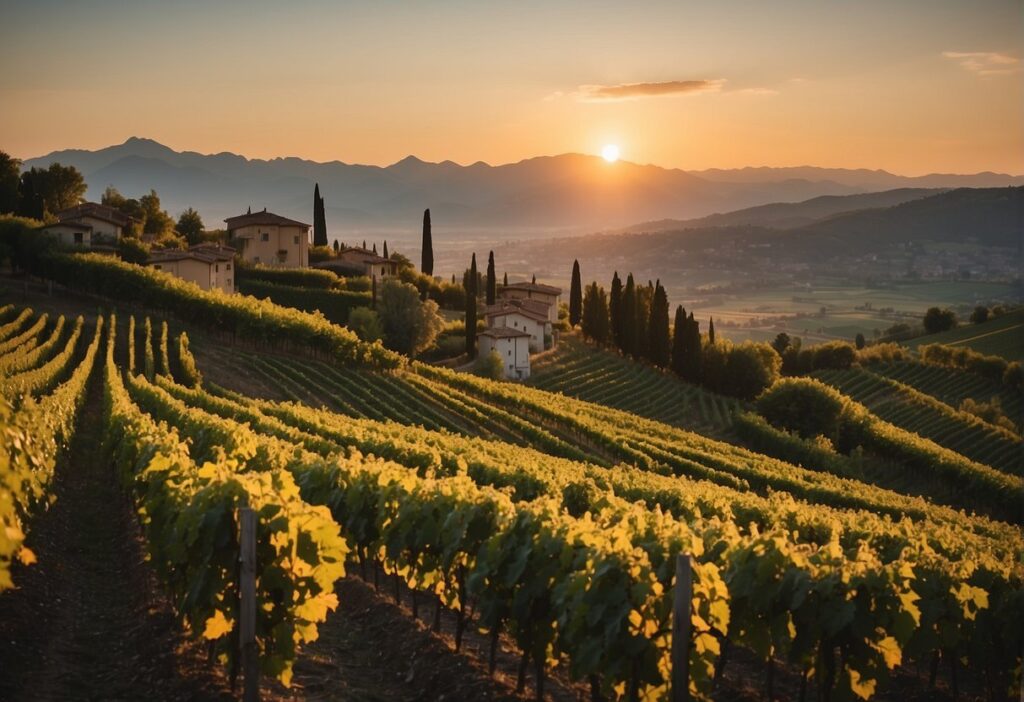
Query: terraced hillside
[(910, 409), (522, 509), (580, 370), (1001, 336), (953, 386)]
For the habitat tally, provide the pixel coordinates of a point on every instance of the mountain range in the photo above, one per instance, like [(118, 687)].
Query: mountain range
[(569, 193)]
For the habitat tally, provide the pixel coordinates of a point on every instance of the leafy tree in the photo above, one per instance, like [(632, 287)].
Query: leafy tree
[(859, 341), (979, 315), (10, 175), (427, 265), (615, 310), (679, 341), (781, 343), (157, 221), (44, 192), (492, 282), (319, 218), (750, 368), (113, 198), (410, 325), (190, 225), (575, 296), (659, 349), (939, 320), (594, 316), (805, 406), (366, 323), (471, 293)]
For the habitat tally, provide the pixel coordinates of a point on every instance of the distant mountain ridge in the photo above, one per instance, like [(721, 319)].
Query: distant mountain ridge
[(567, 193)]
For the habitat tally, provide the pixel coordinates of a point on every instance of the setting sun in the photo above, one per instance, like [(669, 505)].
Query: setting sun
[(610, 153)]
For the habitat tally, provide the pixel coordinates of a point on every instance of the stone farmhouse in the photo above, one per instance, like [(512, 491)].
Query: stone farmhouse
[(89, 225), (209, 266), (512, 345)]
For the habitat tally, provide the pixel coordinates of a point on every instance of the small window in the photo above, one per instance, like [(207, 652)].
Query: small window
[(78, 237), (158, 267), (255, 259), (264, 236), (228, 282), (296, 240), (510, 352), (227, 267), (216, 268)]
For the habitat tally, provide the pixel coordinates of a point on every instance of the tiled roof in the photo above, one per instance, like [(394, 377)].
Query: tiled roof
[(263, 217), (534, 287), (97, 211), (71, 224), (512, 308)]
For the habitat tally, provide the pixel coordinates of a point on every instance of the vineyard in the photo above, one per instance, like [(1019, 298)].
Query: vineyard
[(913, 410), (521, 511), (584, 372)]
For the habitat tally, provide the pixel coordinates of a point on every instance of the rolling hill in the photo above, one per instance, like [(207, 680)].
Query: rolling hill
[(570, 192)]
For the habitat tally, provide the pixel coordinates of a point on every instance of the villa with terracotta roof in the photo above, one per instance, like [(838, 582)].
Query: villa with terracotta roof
[(270, 239), (89, 225), (522, 314), (362, 261), (546, 294), (209, 266), (512, 345)]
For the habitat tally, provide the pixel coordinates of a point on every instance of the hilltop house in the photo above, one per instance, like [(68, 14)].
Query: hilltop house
[(360, 261), (526, 315), (209, 266), (512, 345), (89, 224), (546, 294), (270, 239)]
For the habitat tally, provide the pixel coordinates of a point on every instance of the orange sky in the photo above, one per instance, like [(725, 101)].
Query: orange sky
[(911, 87)]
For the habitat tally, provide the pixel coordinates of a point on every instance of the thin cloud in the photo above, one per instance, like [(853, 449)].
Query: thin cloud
[(985, 63), (754, 91), (638, 91)]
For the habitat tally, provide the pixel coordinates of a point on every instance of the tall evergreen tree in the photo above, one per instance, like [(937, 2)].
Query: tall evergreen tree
[(615, 310), (711, 331), (679, 341), (644, 293), (534, 281), (576, 296), (594, 317), (492, 282), (505, 283), (657, 328), (337, 246), (427, 266), (471, 293), (385, 254), (373, 292), (693, 357), (628, 314), (375, 247), (319, 218)]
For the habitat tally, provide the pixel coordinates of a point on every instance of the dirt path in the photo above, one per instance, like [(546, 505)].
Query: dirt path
[(87, 621)]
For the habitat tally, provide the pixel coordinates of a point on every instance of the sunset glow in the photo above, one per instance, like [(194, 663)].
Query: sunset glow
[(610, 153)]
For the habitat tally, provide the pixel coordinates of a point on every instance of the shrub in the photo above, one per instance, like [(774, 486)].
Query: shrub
[(991, 412), (335, 305), (805, 406), (298, 277), (366, 324), (410, 325), (939, 320), (491, 366), (882, 353), (187, 367)]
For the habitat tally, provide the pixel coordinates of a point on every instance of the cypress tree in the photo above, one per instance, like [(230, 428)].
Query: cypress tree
[(658, 328), (576, 296), (492, 282), (319, 219), (628, 313), (505, 283), (644, 293), (594, 315), (427, 266), (375, 247), (679, 341), (692, 358), (471, 292), (337, 246), (364, 244), (373, 292), (386, 249), (615, 310), (711, 331), (534, 281)]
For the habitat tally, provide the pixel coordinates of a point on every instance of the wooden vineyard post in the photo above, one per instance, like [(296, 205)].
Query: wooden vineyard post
[(247, 604), (682, 593)]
